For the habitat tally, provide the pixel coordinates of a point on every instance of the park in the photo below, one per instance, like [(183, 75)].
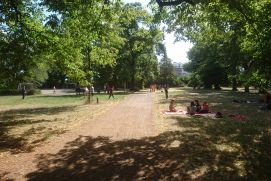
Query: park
[(88, 91)]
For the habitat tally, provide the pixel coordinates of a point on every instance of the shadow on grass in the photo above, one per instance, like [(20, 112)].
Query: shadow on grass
[(13, 114), (59, 96), (194, 154), (26, 117)]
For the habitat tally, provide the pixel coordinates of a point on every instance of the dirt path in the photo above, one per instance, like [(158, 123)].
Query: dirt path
[(131, 119)]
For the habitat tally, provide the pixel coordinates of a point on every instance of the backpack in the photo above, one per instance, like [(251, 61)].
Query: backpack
[(218, 115)]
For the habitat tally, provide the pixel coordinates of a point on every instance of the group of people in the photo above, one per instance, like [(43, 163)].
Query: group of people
[(87, 91), (194, 107)]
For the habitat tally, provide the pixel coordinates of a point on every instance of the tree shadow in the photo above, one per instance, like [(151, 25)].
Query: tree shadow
[(13, 114), (245, 144), (192, 154), (15, 118)]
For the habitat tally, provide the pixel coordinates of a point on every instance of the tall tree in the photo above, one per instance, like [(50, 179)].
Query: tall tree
[(23, 43), (240, 26)]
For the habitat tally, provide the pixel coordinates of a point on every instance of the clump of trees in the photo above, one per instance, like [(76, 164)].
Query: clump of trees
[(99, 42), (89, 42), (231, 38)]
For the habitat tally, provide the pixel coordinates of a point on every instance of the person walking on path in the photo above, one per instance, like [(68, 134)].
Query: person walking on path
[(110, 89), (54, 92), (23, 92)]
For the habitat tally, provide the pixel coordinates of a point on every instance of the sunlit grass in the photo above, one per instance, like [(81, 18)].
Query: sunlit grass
[(241, 147), (54, 100)]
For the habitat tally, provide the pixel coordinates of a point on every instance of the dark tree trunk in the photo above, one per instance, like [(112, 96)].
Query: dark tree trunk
[(246, 88), (88, 60), (234, 84), (217, 87)]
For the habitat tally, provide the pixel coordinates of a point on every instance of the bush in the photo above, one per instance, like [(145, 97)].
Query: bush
[(33, 91), (16, 92), (9, 92)]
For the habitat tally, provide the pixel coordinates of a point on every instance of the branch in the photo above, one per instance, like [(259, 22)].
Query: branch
[(163, 3), (18, 14)]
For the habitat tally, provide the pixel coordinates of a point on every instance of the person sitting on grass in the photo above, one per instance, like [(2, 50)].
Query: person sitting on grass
[(198, 106), (192, 108), (172, 106), (205, 108)]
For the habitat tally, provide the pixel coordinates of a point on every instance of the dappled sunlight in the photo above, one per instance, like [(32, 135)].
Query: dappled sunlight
[(193, 93), (23, 129), (227, 147), (180, 155), (234, 149)]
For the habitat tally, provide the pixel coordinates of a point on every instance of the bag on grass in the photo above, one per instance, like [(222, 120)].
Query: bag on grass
[(218, 115)]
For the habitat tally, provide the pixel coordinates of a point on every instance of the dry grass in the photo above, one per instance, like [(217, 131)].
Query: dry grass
[(25, 124)]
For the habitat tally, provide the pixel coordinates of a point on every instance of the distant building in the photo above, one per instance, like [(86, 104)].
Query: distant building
[(178, 67)]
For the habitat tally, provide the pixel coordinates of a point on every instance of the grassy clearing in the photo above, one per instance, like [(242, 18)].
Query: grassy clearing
[(6, 101), (27, 123), (224, 147)]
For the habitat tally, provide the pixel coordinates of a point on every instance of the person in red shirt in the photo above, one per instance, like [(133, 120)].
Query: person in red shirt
[(205, 108)]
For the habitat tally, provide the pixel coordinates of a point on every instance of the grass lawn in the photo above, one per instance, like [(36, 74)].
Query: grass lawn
[(220, 148), (27, 123)]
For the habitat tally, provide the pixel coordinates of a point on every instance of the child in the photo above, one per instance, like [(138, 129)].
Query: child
[(205, 108), (172, 106), (198, 106), (191, 109)]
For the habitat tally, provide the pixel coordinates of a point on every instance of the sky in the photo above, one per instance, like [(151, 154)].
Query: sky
[(176, 51)]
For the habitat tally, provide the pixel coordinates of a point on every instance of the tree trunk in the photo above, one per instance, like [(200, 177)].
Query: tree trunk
[(246, 88), (133, 72), (124, 87), (217, 87), (234, 84), (89, 78)]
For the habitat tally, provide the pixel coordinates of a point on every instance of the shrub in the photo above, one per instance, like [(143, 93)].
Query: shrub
[(9, 92)]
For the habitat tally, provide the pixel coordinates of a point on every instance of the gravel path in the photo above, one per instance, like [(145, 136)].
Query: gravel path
[(131, 119)]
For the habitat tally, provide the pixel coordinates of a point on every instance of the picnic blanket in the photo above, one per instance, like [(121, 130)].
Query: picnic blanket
[(237, 116), (179, 112), (182, 112), (210, 114)]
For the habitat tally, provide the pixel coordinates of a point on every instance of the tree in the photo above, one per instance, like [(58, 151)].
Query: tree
[(240, 27), (23, 43), (137, 62)]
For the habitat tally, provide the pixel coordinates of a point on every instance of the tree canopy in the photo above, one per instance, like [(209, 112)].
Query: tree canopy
[(232, 33), (99, 42), (89, 42)]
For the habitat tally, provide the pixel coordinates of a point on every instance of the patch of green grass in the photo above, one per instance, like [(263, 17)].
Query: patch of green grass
[(40, 100), (54, 100)]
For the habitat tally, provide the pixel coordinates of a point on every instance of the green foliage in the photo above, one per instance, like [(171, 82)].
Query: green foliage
[(136, 62), (22, 43), (234, 33), (194, 81), (9, 92)]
